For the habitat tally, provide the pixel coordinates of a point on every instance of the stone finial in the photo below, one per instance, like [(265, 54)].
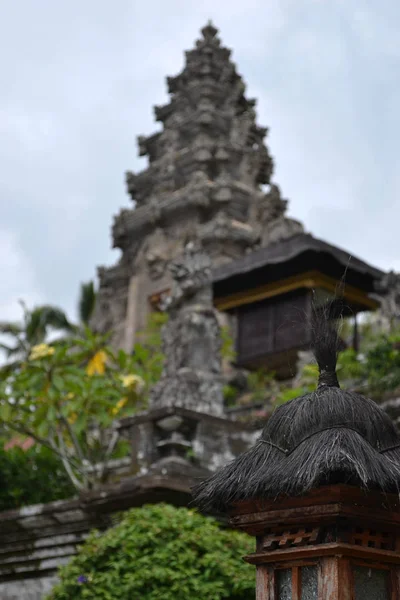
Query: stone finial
[(209, 32)]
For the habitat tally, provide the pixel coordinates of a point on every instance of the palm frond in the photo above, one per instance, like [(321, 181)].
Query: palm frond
[(11, 350), (10, 328), (56, 318), (43, 318), (87, 301), (34, 330)]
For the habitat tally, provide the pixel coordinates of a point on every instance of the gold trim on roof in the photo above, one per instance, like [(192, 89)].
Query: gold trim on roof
[(308, 280)]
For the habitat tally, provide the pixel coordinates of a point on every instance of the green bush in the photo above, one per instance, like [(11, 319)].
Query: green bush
[(160, 553), (383, 364), (31, 477)]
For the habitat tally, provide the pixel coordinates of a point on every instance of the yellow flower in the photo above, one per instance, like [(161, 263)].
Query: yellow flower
[(41, 351), (120, 405), (132, 381), (69, 396), (72, 418), (97, 363)]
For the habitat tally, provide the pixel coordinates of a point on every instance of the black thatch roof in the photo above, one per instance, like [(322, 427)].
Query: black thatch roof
[(288, 249), (325, 437)]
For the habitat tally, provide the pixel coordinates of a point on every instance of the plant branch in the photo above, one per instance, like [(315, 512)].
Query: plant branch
[(67, 466), (44, 442), (73, 437), (110, 448)]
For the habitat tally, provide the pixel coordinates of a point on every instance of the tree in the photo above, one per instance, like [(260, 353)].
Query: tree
[(41, 320), (67, 395), (86, 302), (32, 330), (160, 552)]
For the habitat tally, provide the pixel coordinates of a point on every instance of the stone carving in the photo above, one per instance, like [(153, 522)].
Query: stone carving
[(271, 205), (388, 292), (157, 253), (275, 225), (191, 339), (110, 309), (204, 176)]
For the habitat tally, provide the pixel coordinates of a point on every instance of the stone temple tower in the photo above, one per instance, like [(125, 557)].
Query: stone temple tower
[(208, 178)]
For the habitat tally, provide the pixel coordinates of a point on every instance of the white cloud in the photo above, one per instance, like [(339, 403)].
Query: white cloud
[(17, 279), (79, 83)]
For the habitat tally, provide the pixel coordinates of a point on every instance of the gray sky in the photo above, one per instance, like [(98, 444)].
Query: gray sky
[(78, 82)]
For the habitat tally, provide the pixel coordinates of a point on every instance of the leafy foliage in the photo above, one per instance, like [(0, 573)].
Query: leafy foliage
[(147, 353), (38, 322), (262, 384), (380, 366), (32, 330), (376, 368), (67, 395), (350, 365), (230, 394), (86, 302), (307, 383), (160, 552), (31, 477), (228, 351)]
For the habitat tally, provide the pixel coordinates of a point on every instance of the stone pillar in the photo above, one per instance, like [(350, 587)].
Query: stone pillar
[(131, 313), (192, 376)]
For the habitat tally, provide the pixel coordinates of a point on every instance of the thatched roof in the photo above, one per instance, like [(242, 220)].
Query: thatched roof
[(325, 437), (288, 249)]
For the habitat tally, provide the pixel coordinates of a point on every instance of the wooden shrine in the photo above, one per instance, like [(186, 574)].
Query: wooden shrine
[(270, 292), (319, 491), (335, 543)]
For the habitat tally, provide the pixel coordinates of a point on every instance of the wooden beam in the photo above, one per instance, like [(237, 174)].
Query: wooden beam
[(329, 494), (308, 280), (318, 550)]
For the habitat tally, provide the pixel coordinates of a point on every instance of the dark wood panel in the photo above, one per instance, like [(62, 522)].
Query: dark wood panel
[(273, 326)]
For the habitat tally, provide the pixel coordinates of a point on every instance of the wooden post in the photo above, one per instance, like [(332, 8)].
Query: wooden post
[(264, 583), (395, 582), (335, 582)]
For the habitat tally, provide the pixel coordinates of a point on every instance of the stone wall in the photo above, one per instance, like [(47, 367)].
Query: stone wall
[(27, 589), (36, 540)]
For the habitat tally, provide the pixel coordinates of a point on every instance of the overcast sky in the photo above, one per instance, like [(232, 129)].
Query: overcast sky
[(79, 79)]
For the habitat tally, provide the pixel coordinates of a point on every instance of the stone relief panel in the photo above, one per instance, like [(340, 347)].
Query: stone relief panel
[(154, 255)]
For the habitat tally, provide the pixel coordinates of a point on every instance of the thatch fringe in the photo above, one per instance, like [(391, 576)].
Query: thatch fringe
[(325, 437)]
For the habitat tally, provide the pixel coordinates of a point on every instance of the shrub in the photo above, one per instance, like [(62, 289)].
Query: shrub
[(383, 364), (31, 477), (160, 552)]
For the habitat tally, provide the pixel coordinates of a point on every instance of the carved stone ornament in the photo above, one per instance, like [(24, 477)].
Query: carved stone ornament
[(157, 252), (191, 376), (206, 168)]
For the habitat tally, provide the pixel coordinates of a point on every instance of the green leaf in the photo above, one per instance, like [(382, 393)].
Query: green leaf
[(58, 383), (5, 411), (51, 414)]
